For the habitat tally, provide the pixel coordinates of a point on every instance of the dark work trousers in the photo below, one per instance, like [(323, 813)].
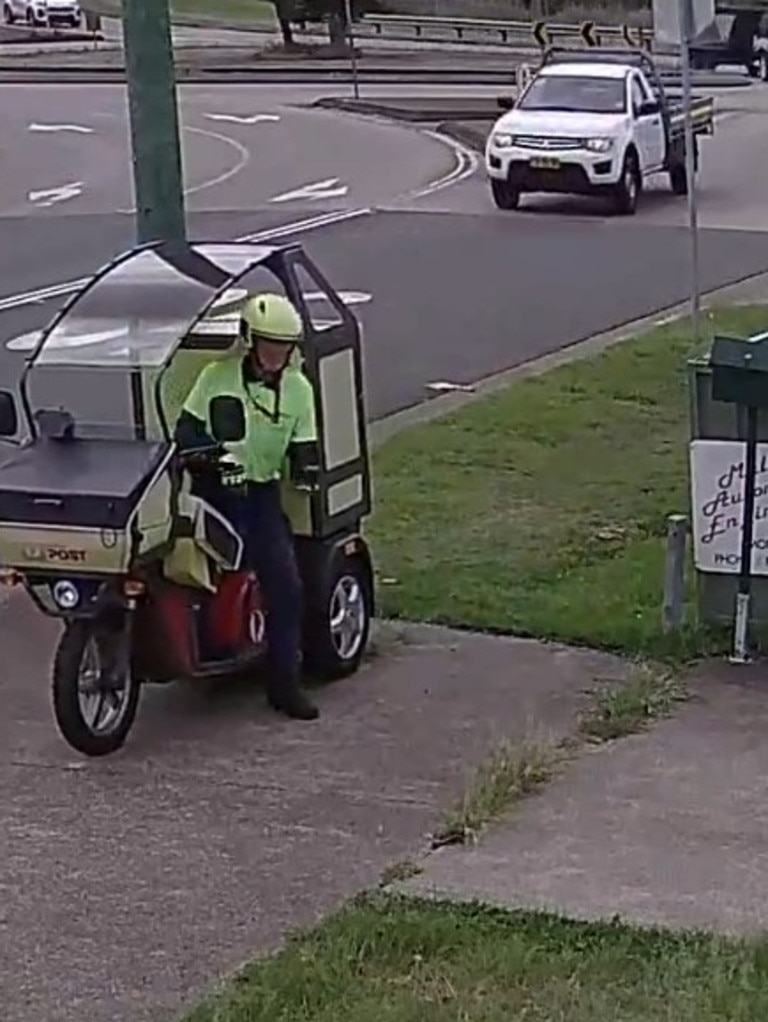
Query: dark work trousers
[(269, 551)]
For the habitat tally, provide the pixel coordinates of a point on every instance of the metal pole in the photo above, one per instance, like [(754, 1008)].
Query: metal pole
[(353, 55), (744, 594), (685, 8), (154, 119), (674, 574)]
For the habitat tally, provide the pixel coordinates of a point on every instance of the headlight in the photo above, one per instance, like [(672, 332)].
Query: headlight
[(66, 595), (503, 140), (598, 145)]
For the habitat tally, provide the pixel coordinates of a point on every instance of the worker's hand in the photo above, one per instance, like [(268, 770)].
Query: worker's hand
[(232, 472)]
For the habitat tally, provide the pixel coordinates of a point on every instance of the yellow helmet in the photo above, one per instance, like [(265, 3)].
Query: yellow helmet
[(271, 317)]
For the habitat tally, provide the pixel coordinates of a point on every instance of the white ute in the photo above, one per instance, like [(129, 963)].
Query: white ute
[(591, 125)]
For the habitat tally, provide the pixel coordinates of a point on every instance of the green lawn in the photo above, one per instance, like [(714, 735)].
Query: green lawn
[(392, 960), (542, 510), (245, 11)]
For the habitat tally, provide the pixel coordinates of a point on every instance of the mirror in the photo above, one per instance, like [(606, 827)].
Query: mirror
[(227, 419), (505, 102), (9, 420), (648, 109)]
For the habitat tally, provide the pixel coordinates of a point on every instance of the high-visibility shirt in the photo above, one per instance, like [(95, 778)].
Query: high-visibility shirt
[(275, 416)]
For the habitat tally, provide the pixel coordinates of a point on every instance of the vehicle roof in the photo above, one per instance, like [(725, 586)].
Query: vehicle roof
[(583, 69), (150, 298)]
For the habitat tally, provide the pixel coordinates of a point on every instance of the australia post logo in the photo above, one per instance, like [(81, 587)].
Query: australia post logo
[(53, 555)]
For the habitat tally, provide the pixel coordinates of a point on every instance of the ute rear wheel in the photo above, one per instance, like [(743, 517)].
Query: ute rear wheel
[(504, 194), (93, 721), (338, 625), (678, 179)]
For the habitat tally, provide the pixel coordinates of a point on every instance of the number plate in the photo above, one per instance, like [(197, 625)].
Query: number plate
[(545, 163)]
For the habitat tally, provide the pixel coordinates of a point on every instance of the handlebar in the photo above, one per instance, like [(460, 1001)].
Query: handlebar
[(201, 457)]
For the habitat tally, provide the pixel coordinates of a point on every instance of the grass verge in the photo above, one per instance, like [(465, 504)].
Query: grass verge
[(246, 11), (541, 510), (401, 960)]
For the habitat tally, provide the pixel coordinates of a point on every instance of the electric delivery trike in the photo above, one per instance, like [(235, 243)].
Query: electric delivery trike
[(100, 521)]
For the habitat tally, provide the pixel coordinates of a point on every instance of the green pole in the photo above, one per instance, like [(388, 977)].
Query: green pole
[(154, 119)]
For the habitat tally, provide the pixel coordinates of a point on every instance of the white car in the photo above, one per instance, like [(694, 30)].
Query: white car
[(594, 126), (47, 13)]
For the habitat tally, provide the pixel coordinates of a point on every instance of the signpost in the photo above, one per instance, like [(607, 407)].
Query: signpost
[(686, 14), (154, 121), (353, 55)]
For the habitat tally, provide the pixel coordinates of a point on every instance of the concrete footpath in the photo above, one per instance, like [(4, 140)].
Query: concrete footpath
[(128, 885), (665, 828)]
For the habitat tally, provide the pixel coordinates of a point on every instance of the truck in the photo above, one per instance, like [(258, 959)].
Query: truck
[(592, 124), (736, 37)]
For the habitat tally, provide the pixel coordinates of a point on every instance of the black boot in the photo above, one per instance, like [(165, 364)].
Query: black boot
[(284, 695)]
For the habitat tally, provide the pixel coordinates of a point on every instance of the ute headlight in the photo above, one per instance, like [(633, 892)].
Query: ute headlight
[(503, 140), (66, 595), (598, 145)]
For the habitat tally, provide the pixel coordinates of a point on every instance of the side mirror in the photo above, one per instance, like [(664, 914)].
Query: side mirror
[(505, 102), (649, 109), (9, 419), (227, 419)]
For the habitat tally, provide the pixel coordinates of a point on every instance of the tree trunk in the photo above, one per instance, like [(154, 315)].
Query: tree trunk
[(337, 25), (284, 12)]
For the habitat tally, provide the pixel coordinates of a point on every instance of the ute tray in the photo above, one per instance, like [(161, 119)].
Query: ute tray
[(89, 484)]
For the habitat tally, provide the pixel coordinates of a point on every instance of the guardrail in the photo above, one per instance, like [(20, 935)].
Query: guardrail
[(540, 33)]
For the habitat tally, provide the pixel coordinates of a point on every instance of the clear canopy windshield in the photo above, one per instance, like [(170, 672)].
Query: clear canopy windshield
[(577, 93), (137, 313), (133, 317)]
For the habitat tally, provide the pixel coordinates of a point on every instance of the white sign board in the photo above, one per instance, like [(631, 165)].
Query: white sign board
[(717, 496)]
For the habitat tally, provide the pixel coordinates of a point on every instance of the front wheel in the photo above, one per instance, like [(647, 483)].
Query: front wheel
[(339, 616), (763, 67), (8, 17), (627, 191), (504, 194), (94, 719)]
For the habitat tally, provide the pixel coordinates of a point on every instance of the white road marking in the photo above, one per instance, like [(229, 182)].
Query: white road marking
[(442, 387), (348, 297), (78, 129), (243, 159), (238, 119), (328, 189), (50, 196), (467, 163), (30, 340), (44, 294)]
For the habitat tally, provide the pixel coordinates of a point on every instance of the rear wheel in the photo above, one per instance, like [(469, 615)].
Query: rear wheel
[(339, 612), (8, 16), (504, 194), (764, 67), (92, 720), (627, 191), (678, 179)]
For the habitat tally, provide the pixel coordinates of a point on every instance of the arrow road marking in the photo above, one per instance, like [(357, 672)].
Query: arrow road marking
[(243, 119), (328, 189), (50, 196), (79, 129)]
